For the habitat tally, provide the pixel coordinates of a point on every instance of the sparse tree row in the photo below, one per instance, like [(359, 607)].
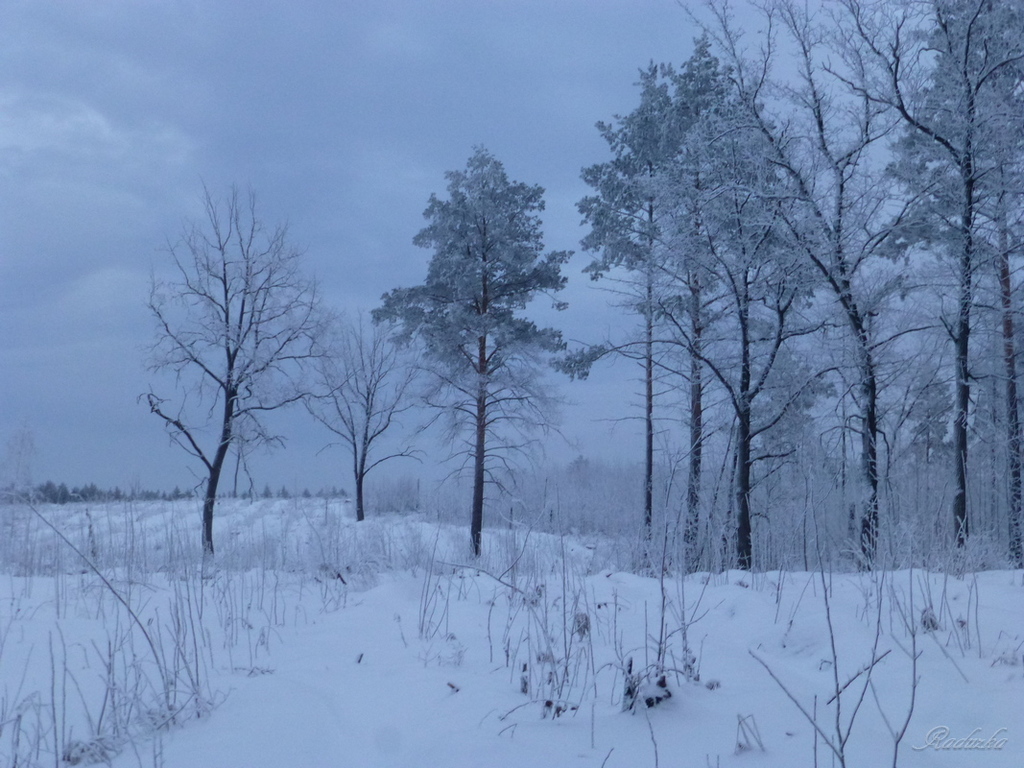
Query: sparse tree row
[(818, 283), (811, 236)]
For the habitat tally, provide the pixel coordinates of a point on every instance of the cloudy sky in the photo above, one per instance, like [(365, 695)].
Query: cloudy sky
[(342, 116)]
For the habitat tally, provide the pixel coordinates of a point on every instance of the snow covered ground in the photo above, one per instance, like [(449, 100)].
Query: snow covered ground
[(320, 642)]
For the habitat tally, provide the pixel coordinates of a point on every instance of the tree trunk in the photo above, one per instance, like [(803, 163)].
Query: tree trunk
[(963, 399), (962, 343), (216, 468), (208, 503), (727, 543), (858, 321), (648, 528), (1013, 441), (869, 516), (744, 544), (691, 527), (360, 476), (238, 466), (477, 522)]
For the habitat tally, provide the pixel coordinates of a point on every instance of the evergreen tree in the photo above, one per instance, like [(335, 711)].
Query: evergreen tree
[(487, 264), (625, 232), (636, 221)]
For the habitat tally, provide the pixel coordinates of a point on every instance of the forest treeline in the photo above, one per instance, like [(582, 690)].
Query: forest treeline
[(59, 493)]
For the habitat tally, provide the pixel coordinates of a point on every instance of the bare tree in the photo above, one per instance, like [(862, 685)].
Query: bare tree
[(819, 131), (235, 325), (760, 307), (363, 384), (940, 66)]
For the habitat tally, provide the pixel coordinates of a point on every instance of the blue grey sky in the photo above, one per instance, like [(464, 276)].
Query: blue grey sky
[(342, 116)]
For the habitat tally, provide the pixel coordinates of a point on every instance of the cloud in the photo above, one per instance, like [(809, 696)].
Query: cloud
[(60, 136), (32, 123), (342, 116)]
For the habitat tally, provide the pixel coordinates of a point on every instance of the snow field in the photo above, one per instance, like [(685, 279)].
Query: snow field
[(320, 642)]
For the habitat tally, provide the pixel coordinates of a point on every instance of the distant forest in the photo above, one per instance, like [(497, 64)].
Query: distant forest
[(59, 493)]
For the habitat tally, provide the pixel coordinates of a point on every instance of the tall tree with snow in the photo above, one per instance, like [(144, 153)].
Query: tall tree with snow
[(1008, 304), (702, 96), (635, 217), (625, 216), (488, 263), (1003, 206), (819, 130), (732, 194), (940, 66)]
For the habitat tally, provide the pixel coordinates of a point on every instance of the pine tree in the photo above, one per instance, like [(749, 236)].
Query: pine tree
[(624, 216), (487, 264), (635, 220)]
